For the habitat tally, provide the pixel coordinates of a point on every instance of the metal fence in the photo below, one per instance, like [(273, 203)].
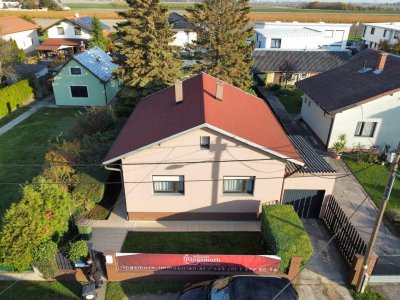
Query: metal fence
[(347, 239)]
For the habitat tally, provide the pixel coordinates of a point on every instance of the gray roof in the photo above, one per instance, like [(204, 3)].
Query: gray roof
[(314, 163), (97, 62), (178, 22), (29, 68), (302, 60), (344, 87)]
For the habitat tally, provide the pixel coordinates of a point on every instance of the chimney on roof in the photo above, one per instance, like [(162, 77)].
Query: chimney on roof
[(82, 47), (381, 61), (220, 90), (178, 92), (77, 15)]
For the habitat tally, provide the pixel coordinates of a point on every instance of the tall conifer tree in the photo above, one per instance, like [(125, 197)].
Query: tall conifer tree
[(98, 38), (149, 63), (222, 28)]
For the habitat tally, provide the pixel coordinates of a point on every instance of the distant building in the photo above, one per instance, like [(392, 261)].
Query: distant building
[(374, 33), (295, 35), (23, 32), (183, 30), (86, 80)]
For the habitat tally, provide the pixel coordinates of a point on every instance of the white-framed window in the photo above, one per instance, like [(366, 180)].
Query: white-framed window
[(396, 34), (77, 30), (276, 43), (365, 29), (79, 91), (169, 184), (75, 71), (239, 184), (205, 142), (385, 32), (366, 129), (328, 33), (372, 30), (60, 31)]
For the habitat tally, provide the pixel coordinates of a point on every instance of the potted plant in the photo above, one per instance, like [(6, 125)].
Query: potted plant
[(339, 146)]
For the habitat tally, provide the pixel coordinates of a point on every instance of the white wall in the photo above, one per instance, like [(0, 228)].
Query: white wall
[(316, 118), (26, 40), (385, 111), (69, 32), (182, 38), (372, 40), (315, 40)]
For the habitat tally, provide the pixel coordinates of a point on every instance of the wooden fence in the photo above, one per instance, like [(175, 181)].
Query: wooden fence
[(347, 238)]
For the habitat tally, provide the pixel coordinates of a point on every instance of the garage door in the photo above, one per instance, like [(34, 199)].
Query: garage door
[(307, 203)]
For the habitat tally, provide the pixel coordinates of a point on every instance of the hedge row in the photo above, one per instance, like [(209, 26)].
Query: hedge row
[(283, 232), (14, 96)]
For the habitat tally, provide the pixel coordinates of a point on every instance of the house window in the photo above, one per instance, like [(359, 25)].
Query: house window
[(372, 30), (328, 33), (385, 33), (275, 43), (79, 91), (169, 184), (366, 129), (77, 30), (239, 184), (60, 30), (205, 142), (365, 29), (396, 34), (76, 71)]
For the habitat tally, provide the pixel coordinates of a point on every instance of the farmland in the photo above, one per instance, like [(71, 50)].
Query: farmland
[(343, 17)]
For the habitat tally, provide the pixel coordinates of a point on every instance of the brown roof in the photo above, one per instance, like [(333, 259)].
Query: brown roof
[(54, 44), (347, 86), (240, 114), (14, 24)]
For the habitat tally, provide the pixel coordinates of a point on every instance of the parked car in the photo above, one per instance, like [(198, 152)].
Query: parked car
[(240, 287)]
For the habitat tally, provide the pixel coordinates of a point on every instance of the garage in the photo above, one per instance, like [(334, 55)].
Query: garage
[(307, 203)]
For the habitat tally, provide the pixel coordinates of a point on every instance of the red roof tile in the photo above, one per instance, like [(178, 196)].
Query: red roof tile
[(12, 24), (158, 117)]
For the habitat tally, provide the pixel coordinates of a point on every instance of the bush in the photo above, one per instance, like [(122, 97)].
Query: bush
[(274, 87), (45, 259), (89, 188), (78, 251), (15, 95), (95, 119), (283, 232)]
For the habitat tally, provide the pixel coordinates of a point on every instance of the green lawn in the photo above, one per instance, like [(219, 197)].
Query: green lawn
[(118, 290), (35, 290), (377, 175), (194, 242), (27, 144), (12, 115), (291, 99)]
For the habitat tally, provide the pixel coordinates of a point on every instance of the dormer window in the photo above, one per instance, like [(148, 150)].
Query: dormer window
[(205, 142)]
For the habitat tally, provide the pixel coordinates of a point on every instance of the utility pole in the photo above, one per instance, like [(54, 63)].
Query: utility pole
[(386, 195)]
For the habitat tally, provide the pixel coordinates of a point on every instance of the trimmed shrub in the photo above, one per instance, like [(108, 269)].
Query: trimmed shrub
[(45, 259), (89, 189), (15, 95), (283, 232), (95, 119), (78, 251)]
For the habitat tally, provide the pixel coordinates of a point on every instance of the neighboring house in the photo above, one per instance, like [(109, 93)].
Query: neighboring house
[(374, 33), (35, 71), (21, 31), (74, 28), (295, 35), (204, 149), (360, 99), (183, 30), (269, 65), (86, 80)]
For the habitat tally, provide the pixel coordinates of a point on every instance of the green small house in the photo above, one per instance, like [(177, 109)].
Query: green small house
[(86, 80)]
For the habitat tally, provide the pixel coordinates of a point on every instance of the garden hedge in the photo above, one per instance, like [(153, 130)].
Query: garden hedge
[(14, 96), (283, 232)]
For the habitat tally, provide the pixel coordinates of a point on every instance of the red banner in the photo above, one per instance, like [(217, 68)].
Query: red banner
[(197, 262)]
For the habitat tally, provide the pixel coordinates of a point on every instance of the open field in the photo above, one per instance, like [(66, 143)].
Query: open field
[(301, 16)]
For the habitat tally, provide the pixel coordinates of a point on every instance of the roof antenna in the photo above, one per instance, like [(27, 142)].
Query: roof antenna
[(364, 64)]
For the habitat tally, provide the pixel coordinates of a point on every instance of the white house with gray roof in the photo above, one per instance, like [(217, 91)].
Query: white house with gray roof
[(86, 80), (374, 33)]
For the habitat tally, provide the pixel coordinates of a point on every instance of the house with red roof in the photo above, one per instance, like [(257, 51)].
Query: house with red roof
[(24, 33), (206, 150)]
